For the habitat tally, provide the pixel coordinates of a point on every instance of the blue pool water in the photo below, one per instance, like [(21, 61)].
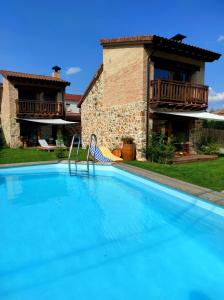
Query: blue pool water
[(111, 235)]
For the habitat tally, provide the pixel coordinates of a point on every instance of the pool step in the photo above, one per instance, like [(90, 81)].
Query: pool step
[(79, 173)]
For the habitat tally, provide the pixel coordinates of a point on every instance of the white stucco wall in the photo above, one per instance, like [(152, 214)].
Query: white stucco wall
[(71, 107)]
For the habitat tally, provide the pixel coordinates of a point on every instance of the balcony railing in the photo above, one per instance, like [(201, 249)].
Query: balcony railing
[(35, 107), (175, 93), (71, 116)]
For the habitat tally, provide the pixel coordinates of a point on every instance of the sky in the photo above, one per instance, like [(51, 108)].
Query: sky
[(36, 35)]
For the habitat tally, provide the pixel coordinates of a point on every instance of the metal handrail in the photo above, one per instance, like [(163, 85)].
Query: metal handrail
[(70, 152), (93, 138)]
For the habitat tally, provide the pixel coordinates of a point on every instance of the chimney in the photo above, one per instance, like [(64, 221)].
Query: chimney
[(56, 72)]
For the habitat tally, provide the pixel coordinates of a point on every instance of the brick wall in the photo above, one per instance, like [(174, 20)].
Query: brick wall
[(124, 74)]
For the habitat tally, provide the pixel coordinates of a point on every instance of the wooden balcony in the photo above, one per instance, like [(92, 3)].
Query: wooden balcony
[(178, 95), (75, 117), (39, 108)]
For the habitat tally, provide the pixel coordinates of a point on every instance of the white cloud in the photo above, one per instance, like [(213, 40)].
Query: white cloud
[(214, 96), (73, 70), (220, 38)]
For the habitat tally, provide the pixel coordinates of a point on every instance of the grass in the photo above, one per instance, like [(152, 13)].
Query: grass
[(208, 174), (8, 155)]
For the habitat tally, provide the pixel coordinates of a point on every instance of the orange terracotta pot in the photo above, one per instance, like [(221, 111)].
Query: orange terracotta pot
[(117, 152), (128, 151)]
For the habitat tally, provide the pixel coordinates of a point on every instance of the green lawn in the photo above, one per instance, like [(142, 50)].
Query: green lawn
[(207, 174), (8, 156)]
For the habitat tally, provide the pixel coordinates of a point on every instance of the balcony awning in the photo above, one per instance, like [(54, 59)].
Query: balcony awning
[(48, 121), (198, 115)]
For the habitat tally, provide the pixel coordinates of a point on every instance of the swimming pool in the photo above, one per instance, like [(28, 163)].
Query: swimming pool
[(112, 235)]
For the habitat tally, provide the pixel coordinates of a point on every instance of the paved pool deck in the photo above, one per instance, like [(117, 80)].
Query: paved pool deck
[(201, 192)]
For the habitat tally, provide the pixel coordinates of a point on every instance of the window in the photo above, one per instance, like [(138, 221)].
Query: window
[(171, 75), (162, 74), (68, 107), (50, 96), (27, 94)]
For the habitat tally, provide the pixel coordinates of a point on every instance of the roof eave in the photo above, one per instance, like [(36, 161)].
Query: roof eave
[(164, 44), (11, 76), (94, 79)]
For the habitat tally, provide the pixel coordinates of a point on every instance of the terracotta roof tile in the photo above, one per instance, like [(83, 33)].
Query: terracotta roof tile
[(219, 112), (73, 97), (12, 74)]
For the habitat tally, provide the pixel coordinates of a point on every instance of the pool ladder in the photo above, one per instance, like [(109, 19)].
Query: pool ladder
[(93, 142)]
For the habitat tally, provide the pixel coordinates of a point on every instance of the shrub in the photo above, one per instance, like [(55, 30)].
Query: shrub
[(207, 145), (210, 148), (158, 150), (60, 153)]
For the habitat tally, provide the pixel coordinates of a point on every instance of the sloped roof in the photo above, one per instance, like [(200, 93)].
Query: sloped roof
[(166, 44), (72, 97), (219, 112), (94, 79), (12, 74)]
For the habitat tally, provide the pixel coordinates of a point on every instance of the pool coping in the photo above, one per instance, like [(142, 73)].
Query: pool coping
[(201, 192), (31, 163), (198, 191)]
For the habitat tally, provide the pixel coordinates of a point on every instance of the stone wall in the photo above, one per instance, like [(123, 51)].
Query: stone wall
[(10, 127), (195, 130), (112, 123)]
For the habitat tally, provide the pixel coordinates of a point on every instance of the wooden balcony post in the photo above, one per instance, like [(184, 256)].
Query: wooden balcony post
[(159, 90)]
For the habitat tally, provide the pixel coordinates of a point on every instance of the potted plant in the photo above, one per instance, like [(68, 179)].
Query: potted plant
[(128, 149)]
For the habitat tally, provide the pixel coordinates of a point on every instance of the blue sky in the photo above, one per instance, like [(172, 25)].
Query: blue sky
[(35, 35)]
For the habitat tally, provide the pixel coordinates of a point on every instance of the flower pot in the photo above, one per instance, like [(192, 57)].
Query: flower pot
[(128, 151), (117, 152)]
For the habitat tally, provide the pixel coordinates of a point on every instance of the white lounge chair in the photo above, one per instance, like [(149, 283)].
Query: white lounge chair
[(44, 145), (60, 144), (221, 151)]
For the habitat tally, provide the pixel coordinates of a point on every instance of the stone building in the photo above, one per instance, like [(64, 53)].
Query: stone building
[(32, 107), (140, 86)]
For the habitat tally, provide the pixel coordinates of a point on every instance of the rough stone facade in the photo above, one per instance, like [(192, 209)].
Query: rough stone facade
[(10, 126), (112, 123)]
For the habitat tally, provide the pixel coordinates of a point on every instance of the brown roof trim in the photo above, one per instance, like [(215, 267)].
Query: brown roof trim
[(92, 82), (142, 39), (12, 74), (166, 44)]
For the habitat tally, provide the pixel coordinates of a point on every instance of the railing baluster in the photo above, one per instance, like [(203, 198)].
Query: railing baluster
[(38, 107), (178, 92)]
